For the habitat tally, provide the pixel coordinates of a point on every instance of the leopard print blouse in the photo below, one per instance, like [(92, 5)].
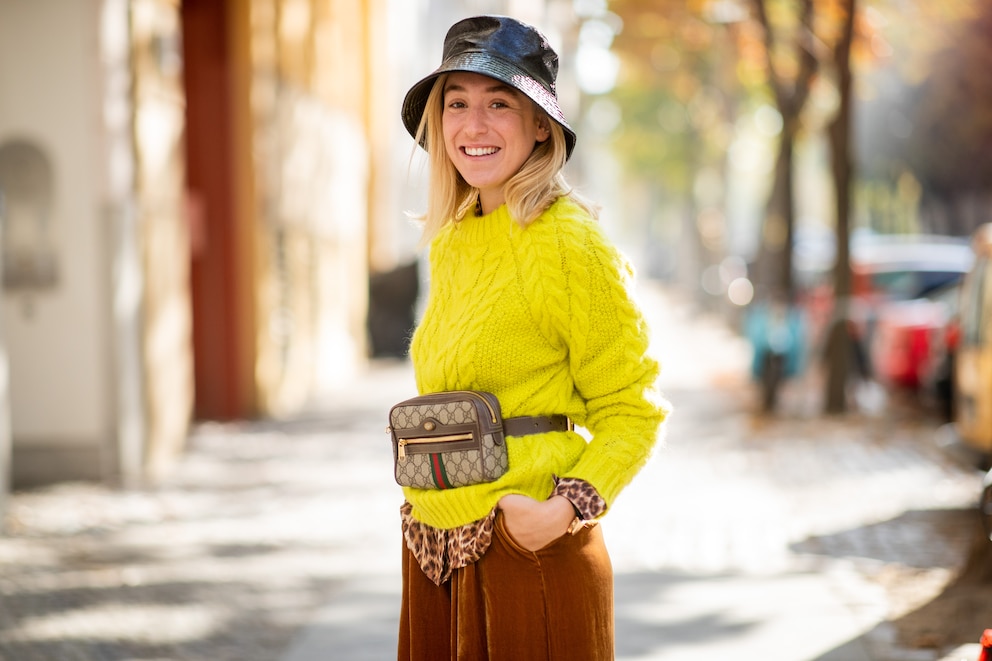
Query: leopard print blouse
[(440, 552)]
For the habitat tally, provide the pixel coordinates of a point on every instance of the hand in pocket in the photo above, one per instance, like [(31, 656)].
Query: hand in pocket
[(536, 523)]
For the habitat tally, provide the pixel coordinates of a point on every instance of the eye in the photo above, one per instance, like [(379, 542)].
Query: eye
[(455, 105)]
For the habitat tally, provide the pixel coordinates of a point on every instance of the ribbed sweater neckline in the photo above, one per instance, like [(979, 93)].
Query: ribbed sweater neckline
[(476, 229)]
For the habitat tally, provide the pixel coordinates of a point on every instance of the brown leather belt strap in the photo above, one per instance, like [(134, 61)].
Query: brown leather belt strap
[(536, 424)]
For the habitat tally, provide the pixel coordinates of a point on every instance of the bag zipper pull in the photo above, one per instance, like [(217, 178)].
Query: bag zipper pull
[(401, 449)]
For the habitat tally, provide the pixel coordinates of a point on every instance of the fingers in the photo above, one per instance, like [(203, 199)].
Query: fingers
[(533, 524)]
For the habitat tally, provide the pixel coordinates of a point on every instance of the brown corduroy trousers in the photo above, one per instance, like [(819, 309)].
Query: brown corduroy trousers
[(553, 604)]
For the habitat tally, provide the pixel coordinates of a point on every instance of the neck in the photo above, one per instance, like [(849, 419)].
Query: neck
[(489, 201)]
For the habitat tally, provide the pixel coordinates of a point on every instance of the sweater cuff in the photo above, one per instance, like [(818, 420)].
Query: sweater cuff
[(585, 499)]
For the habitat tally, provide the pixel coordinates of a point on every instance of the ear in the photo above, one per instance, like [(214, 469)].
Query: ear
[(543, 129)]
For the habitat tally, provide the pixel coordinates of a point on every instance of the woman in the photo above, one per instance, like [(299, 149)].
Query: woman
[(530, 302)]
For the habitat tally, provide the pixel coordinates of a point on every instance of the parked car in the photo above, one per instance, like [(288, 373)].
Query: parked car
[(903, 293), (972, 381), (937, 377), (912, 338)]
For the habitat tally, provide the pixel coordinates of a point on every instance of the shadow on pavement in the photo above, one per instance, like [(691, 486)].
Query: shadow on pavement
[(917, 558), (179, 620), (358, 624), (644, 626), (789, 616), (924, 539)]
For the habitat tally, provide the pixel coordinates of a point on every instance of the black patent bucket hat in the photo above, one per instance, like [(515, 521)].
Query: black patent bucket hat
[(502, 48)]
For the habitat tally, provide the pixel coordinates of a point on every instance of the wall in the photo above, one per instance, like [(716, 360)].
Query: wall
[(311, 75), (58, 338)]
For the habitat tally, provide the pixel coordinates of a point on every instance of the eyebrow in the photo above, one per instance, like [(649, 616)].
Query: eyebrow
[(492, 89)]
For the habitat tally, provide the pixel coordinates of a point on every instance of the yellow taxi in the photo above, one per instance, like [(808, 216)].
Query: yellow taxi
[(972, 382)]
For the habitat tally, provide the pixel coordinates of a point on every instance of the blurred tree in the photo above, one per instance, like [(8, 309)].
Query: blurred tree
[(926, 117), (839, 347), (688, 69), (791, 63), (951, 113), (677, 93), (806, 43), (678, 90)]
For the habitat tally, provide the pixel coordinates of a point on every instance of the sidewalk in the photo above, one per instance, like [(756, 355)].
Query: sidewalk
[(764, 536), (279, 541)]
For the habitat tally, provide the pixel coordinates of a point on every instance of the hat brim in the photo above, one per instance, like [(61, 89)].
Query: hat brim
[(477, 62)]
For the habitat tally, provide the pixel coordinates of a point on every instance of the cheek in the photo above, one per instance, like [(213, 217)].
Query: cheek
[(448, 134)]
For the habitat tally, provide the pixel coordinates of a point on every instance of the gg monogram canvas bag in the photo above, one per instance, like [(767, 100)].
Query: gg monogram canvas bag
[(457, 438), (448, 439)]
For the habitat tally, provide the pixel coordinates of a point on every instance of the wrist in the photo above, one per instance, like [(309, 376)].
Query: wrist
[(569, 514)]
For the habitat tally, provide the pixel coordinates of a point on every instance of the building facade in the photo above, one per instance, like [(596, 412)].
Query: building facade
[(194, 197), (186, 192)]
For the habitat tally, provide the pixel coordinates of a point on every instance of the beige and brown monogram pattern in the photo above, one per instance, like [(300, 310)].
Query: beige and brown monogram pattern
[(467, 456), (447, 413), (460, 468)]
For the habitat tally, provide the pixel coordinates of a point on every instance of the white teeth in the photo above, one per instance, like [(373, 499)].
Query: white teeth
[(480, 151)]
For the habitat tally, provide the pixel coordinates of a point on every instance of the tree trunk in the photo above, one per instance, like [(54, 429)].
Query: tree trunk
[(839, 351), (774, 276), (775, 251)]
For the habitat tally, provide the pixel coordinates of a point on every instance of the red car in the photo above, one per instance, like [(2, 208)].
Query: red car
[(908, 337), (905, 296)]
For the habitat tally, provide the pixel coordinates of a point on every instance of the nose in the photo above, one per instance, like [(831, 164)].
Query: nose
[(475, 122)]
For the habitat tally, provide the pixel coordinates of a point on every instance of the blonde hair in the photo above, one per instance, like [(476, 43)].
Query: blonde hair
[(529, 192)]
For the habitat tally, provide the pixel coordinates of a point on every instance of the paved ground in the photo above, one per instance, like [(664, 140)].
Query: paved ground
[(788, 539)]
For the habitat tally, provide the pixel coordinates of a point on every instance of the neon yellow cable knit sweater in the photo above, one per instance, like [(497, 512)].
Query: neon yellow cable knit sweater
[(541, 317)]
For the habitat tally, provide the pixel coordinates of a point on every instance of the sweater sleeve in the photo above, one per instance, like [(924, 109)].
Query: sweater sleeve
[(613, 371)]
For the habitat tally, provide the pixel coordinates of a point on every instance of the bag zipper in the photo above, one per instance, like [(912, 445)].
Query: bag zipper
[(403, 442)]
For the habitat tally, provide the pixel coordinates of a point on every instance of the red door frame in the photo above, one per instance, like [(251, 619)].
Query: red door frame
[(220, 291)]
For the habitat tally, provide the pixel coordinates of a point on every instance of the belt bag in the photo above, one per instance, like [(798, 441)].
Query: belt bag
[(456, 438)]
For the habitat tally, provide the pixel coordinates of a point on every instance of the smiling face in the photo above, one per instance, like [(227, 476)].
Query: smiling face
[(489, 131)]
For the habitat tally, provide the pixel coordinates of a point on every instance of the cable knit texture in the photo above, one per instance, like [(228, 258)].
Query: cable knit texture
[(543, 318)]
